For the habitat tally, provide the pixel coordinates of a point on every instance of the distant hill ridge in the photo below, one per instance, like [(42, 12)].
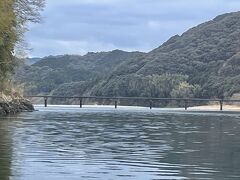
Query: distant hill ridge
[(202, 62)]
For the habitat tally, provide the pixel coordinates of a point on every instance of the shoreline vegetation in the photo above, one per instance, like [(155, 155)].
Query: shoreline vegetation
[(10, 105), (214, 107), (14, 17), (12, 100)]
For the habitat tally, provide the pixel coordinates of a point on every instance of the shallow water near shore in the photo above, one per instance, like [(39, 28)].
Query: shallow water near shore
[(69, 143)]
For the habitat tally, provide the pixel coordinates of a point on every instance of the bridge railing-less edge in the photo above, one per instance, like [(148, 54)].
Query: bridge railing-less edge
[(149, 99)]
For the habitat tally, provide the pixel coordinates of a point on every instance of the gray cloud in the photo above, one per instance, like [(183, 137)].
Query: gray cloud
[(79, 26)]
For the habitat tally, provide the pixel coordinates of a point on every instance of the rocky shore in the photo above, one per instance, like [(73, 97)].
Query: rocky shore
[(10, 105)]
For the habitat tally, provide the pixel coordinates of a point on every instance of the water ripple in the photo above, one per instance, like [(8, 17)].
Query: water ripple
[(124, 144)]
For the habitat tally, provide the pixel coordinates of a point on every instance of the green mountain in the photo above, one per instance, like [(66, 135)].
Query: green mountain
[(202, 62), (56, 72), (208, 55)]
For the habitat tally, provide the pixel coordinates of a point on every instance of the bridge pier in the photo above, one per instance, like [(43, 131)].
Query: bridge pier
[(80, 103), (45, 101), (185, 104), (151, 104), (221, 105)]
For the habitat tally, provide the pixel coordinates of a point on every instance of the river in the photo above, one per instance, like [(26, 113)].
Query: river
[(68, 143)]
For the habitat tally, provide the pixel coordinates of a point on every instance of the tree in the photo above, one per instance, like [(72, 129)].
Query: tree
[(162, 85), (14, 15), (8, 37), (185, 90), (26, 11)]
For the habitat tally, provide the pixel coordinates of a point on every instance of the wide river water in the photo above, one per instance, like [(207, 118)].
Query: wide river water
[(67, 143)]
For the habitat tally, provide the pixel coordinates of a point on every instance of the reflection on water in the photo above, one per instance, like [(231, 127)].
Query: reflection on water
[(5, 151), (72, 144)]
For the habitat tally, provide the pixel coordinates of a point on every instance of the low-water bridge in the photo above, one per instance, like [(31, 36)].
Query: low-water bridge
[(146, 99)]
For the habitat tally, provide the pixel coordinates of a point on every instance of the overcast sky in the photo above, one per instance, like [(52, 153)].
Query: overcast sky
[(80, 26)]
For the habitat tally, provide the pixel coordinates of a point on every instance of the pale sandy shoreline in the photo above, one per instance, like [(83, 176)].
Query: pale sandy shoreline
[(110, 107), (216, 107)]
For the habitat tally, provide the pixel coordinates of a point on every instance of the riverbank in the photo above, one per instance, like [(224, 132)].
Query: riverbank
[(216, 107), (102, 108), (13, 105)]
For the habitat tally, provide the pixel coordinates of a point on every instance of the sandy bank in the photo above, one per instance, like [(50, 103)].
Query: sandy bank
[(216, 107)]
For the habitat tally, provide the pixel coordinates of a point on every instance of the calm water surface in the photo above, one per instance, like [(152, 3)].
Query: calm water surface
[(92, 143)]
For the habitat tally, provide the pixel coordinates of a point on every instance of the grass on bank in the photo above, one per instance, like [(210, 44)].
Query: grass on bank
[(9, 91)]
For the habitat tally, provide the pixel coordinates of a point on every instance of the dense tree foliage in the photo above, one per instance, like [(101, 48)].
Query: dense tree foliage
[(14, 14), (49, 73), (8, 37)]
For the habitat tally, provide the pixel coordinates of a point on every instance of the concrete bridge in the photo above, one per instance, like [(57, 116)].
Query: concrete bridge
[(147, 99)]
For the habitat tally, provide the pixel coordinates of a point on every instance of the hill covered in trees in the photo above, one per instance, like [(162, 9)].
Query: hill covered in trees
[(203, 62), (52, 73)]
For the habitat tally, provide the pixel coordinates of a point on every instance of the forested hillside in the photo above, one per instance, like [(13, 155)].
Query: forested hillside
[(202, 62), (79, 72)]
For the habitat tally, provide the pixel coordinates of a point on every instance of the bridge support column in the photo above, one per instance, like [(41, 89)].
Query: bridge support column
[(81, 103), (151, 104), (221, 105), (45, 101), (185, 104), (116, 104)]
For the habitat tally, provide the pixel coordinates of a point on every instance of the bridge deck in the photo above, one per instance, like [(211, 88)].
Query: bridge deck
[(133, 98), (150, 99)]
